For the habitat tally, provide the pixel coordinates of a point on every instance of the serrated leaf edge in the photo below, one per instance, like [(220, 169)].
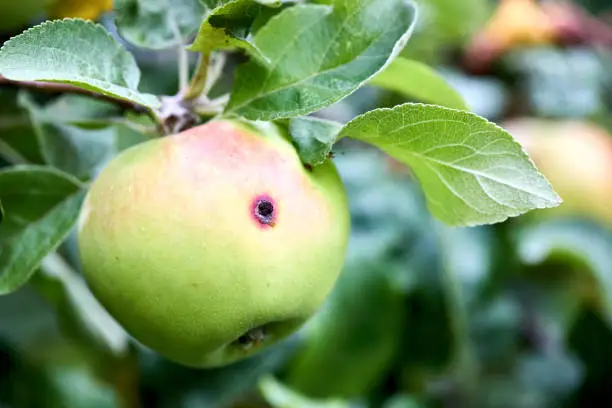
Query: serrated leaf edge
[(553, 202), (399, 45), (141, 98)]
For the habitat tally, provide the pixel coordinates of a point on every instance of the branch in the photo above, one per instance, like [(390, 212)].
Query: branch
[(52, 87)]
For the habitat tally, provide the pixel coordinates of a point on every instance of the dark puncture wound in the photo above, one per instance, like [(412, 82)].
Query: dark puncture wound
[(264, 210)]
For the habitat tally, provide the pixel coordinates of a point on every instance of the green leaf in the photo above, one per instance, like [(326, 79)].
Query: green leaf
[(472, 171), (227, 26), (158, 24), (355, 336), (74, 52), (414, 79), (18, 141), (77, 110), (84, 316), (42, 206), (279, 396), (326, 53), (586, 246), (214, 387), (1, 213), (313, 138), (80, 152), (35, 321)]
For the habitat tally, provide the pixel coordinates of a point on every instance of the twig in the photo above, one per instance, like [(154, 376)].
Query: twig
[(183, 66), (64, 88), (198, 81), (211, 107), (214, 72)]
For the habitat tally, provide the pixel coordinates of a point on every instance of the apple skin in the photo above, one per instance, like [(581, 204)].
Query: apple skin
[(173, 244), (576, 157)]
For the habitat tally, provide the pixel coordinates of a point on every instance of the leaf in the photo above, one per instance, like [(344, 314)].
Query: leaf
[(227, 26), (1, 213), (585, 245), (158, 24), (85, 316), (42, 206), (326, 53), (77, 110), (356, 335), (74, 52), (18, 142), (80, 152), (279, 396), (215, 387), (79, 385), (414, 79), (34, 321), (313, 138), (472, 171)]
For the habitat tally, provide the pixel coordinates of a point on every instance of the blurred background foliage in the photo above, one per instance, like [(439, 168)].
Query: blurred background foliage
[(513, 315)]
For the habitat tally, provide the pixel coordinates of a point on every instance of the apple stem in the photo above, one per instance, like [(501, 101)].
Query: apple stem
[(183, 67), (198, 81), (214, 71)]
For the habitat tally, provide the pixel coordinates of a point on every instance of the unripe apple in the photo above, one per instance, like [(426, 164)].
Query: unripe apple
[(215, 242), (576, 157), (514, 24)]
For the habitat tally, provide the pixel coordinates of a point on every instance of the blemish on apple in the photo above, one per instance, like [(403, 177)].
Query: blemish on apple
[(264, 210)]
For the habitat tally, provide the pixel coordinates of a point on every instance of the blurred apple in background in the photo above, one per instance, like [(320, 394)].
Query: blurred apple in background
[(576, 156), (514, 23), (520, 24)]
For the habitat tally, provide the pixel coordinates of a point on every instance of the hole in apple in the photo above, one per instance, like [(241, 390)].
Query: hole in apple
[(265, 208), (264, 211)]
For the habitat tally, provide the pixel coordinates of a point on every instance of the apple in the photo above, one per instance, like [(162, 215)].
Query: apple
[(513, 24), (576, 157), (211, 244)]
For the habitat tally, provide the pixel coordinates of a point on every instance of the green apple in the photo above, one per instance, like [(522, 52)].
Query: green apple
[(576, 157), (209, 245)]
